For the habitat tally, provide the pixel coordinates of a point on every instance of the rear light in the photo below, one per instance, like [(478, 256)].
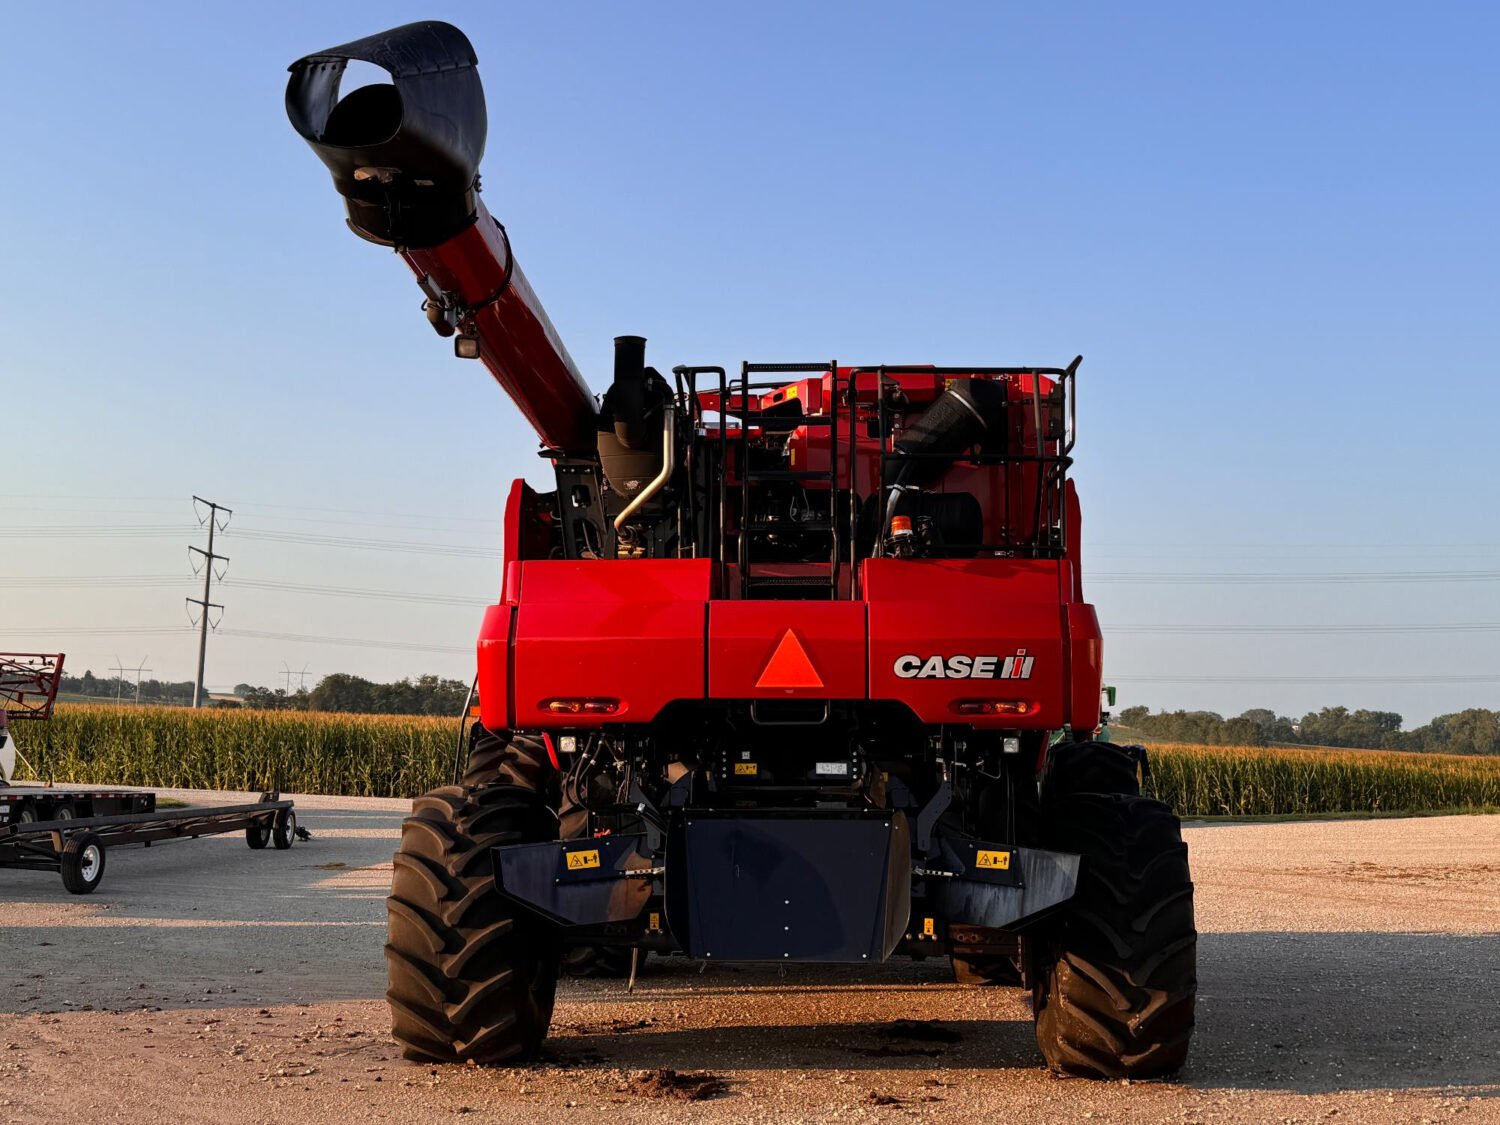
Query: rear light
[(581, 706), (994, 707)]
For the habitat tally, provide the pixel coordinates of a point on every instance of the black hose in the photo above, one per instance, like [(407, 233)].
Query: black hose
[(461, 756)]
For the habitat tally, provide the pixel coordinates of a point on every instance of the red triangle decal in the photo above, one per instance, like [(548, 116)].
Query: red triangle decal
[(789, 666)]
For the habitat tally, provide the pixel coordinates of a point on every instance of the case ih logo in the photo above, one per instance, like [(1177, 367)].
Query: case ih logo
[(1017, 667)]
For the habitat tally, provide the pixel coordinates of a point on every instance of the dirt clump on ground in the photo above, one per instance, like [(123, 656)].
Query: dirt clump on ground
[(664, 1082)]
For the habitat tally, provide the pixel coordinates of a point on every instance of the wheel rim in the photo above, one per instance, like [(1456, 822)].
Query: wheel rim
[(291, 826), (63, 813), (26, 817), (89, 863)]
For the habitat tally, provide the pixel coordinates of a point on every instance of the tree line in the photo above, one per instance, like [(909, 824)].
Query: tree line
[(423, 695), (1474, 731)]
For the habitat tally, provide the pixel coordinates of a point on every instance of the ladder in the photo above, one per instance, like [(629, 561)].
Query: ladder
[(762, 585)]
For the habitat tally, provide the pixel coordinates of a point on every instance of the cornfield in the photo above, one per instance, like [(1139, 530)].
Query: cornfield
[(402, 756), (1262, 781), (301, 752)]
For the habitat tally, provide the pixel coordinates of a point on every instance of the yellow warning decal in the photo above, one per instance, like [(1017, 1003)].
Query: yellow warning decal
[(653, 923), (746, 769), (994, 861), (581, 861), (929, 928)]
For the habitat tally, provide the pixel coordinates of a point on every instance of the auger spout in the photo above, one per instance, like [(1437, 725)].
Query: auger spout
[(405, 157)]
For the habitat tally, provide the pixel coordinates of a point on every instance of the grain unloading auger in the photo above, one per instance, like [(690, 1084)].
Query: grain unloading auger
[(773, 670)]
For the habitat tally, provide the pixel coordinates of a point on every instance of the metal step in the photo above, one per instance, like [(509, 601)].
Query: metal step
[(786, 474)]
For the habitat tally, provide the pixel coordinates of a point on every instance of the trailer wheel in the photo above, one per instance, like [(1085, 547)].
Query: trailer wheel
[(258, 835), (471, 975), (284, 834), (1090, 767), (82, 862), (1117, 972)]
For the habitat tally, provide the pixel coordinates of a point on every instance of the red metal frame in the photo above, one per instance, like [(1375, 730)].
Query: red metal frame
[(29, 683)]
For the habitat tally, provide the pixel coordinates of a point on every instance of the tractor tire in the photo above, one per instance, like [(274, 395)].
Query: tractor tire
[(1090, 767), (1116, 973), (471, 976), (507, 758)]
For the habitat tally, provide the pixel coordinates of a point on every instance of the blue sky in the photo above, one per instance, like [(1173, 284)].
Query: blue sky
[(1270, 230)]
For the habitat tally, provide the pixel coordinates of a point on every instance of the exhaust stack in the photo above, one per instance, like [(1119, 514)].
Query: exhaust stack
[(405, 157)]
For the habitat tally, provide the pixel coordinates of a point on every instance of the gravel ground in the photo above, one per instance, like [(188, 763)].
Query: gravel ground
[(1350, 971)]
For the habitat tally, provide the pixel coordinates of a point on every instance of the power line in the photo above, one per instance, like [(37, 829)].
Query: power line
[(112, 581), (350, 642), (1309, 630), (1272, 579), (205, 604), (1398, 679), (358, 543), (354, 592)]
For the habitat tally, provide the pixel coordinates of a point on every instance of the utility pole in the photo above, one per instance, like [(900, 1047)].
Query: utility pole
[(205, 604)]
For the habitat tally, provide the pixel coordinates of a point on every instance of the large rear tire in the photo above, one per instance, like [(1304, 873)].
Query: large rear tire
[(1091, 767), (1117, 974), (471, 976)]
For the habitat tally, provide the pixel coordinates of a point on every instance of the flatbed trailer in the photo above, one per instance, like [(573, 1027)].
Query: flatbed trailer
[(75, 846), (27, 804)]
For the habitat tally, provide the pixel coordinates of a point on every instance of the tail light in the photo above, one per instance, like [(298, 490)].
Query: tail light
[(581, 706), (995, 707)]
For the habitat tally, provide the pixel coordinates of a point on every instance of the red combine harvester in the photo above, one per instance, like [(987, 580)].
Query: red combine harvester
[(774, 669)]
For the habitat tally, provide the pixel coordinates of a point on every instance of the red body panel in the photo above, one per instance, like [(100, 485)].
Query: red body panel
[(518, 343), (494, 667), (631, 631), (649, 632), (744, 636), (976, 608), (1087, 663)]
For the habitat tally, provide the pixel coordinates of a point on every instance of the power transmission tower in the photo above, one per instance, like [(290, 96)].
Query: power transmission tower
[(205, 604), (288, 673), (120, 671)]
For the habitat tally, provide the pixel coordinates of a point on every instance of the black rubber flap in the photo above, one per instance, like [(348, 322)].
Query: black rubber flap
[(833, 887), (996, 885), (577, 882)]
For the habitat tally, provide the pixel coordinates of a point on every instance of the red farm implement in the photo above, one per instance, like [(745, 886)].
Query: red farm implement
[(773, 670)]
